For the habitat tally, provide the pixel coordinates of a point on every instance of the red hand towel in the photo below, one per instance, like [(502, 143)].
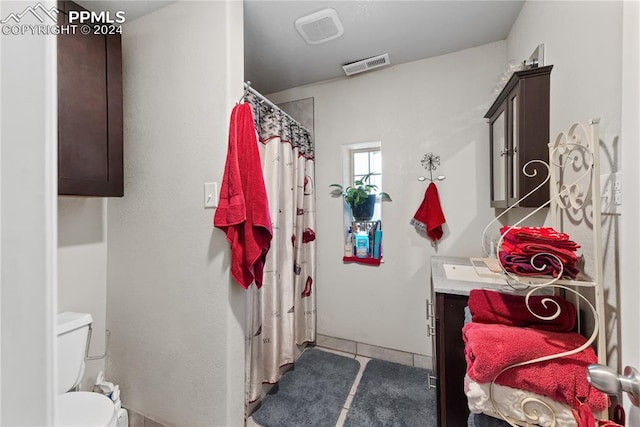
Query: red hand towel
[(243, 210), (429, 216), (491, 348), (511, 310)]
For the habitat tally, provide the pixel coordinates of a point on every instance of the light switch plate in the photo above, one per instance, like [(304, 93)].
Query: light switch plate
[(611, 193), (210, 194)]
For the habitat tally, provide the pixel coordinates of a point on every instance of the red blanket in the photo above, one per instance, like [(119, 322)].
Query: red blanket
[(491, 348), (507, 309)]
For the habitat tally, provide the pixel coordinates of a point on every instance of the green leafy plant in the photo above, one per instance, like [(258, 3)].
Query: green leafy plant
[(358, 193)]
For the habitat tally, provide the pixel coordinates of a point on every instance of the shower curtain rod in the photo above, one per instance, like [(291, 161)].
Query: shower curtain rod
[(249, 88)]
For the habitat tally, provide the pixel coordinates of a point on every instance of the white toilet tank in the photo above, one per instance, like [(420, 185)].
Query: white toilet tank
[(72, 331)]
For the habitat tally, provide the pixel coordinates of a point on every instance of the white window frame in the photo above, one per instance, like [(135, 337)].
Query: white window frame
[(348, 174)]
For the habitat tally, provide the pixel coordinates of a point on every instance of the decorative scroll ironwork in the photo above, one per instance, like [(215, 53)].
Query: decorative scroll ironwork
[(573, 177)]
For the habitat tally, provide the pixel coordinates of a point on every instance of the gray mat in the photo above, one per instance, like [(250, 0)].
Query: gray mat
[(311, 394), (482, 420), (390, 394)]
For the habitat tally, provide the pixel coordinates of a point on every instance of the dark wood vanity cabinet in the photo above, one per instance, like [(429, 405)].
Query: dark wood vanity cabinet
[(519, 133), (451, 365), (90, 141)]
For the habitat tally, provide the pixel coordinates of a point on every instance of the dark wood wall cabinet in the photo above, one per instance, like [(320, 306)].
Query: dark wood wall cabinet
[(519, 133), (90, 161)]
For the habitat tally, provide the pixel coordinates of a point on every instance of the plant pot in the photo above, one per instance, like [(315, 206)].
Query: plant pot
[(364, 211)]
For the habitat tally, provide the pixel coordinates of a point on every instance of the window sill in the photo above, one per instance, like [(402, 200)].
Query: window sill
[(365, 261)]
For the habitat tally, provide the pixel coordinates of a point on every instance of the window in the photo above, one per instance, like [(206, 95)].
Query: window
[(367, 161), (359, 160), (363, 161)]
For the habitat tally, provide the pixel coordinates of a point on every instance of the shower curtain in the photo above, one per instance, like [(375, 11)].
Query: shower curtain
[(282, 314)]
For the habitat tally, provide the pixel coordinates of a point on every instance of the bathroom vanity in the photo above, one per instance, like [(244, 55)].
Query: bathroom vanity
[(452, 278)]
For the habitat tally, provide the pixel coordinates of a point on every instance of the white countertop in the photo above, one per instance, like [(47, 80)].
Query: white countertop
[(444, 284)]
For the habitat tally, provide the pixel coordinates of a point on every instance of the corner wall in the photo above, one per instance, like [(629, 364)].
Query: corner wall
[(630, 244), (175, 319), (583, 42), (28, 178), (82, 270), (433, 105)]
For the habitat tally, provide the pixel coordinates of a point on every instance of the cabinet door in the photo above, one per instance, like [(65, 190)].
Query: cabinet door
[(519, 134), (452, 367), (89, 112), (498, 138)]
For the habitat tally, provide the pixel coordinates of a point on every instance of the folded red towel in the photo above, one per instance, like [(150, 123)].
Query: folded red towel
[(243, 210), (546, 235), (429, 216), (511, 310), (491, 348), (566, 256), (546, 265)]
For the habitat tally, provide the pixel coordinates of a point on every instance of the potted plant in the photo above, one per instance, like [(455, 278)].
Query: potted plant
[(359, 197)]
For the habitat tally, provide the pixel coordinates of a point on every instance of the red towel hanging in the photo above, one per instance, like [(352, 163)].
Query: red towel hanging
[(429, 216), (243, 210)]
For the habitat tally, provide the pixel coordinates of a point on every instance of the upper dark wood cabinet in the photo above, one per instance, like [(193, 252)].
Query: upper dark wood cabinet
[(519, 133), (90, 159)]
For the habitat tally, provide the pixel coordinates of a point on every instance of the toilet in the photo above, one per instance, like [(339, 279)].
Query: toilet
[(78, 408)]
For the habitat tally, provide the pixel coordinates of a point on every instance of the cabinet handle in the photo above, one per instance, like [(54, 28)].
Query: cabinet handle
[(432, 382), (431, 331), (429, 310), (503, 152)]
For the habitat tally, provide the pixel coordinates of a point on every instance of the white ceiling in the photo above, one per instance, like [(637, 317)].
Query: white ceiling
[(277, 58), (133, 8)]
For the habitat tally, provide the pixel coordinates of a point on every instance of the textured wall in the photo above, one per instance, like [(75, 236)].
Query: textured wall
[(580, 92), (82, 269), (177, 341), (434, 105), (27, 211)]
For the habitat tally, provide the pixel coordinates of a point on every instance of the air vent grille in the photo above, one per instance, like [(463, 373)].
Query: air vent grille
[(366, 64), (320, 27)]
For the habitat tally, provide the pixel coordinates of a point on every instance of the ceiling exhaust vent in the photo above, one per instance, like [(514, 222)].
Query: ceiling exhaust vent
[(320, 27), (366, 64)]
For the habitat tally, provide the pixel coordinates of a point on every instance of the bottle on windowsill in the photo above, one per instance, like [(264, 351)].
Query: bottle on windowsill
[(348, 244)]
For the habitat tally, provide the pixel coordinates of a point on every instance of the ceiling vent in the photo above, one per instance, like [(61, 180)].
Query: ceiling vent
[(366, 64), (320, 27)]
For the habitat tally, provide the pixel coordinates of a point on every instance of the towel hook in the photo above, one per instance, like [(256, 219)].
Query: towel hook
[(246, 91), (430, 162)]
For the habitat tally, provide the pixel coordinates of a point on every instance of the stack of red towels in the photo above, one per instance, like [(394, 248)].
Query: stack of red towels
[(503, 332), (556, 252)]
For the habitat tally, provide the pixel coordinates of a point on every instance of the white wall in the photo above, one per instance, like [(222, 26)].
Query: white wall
[(28, 225), (175, 318), (583, 42), (630, 244), (433, 105), (82, 269)]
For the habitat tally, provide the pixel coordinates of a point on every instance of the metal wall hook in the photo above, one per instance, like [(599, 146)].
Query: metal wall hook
[(246, 91), (430, 162)]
